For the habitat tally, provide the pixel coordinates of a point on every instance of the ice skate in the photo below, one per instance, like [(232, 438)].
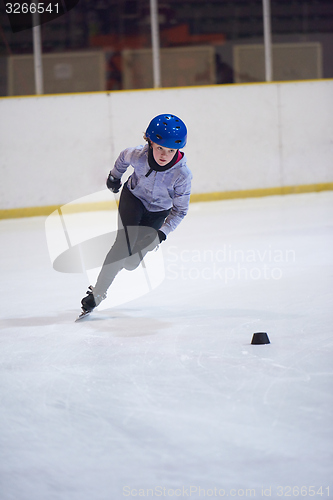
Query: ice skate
[(90, 302)]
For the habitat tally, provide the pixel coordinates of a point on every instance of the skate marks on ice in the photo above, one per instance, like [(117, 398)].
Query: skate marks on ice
[(275, 386), (132, 399)]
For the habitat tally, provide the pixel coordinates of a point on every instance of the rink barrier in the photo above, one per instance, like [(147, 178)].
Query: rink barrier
[(264, 135), (17, 213)]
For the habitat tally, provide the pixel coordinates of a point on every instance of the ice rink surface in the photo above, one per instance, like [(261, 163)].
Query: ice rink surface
[(164, 396)]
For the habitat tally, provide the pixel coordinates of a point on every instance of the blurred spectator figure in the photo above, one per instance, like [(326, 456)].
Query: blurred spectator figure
[(114, 75), (224, 72)]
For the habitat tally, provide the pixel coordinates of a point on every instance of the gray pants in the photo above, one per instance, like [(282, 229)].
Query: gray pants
[(137, 234)]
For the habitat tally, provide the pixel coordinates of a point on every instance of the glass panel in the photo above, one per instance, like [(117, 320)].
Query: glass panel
[(106, 44)]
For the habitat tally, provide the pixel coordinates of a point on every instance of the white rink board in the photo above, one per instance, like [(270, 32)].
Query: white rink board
[(55, 149), (307, 150)]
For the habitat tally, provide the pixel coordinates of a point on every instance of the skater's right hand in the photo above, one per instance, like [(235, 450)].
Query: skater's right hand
[(161, 236), (113, 184)]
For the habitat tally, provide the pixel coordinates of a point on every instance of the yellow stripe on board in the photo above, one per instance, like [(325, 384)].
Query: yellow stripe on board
[(72, 208), (257, 193), (159, 89)]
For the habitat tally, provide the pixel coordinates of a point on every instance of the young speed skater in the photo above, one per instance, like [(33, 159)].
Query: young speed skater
[(153, 201)]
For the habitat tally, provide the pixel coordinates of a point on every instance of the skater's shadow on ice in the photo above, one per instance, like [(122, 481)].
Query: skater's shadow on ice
[(29, 321), (119, 325)]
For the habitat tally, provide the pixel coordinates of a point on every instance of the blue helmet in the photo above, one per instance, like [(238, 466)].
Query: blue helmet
[(167, 131)]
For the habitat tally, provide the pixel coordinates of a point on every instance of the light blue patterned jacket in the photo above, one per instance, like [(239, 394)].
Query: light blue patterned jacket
[(160, 190)]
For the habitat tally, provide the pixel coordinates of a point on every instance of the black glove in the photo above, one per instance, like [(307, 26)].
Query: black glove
[(113, 184), (161, 236)]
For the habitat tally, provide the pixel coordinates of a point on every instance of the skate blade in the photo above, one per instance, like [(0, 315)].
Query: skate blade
[(83, 314)]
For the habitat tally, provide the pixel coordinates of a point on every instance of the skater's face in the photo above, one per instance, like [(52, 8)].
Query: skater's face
[(162, 155)]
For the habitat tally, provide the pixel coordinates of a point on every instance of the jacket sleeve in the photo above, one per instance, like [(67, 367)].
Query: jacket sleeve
[(122, 163), (180, 205)]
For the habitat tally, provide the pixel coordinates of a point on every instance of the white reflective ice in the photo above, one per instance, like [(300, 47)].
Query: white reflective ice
[(164, 396)]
